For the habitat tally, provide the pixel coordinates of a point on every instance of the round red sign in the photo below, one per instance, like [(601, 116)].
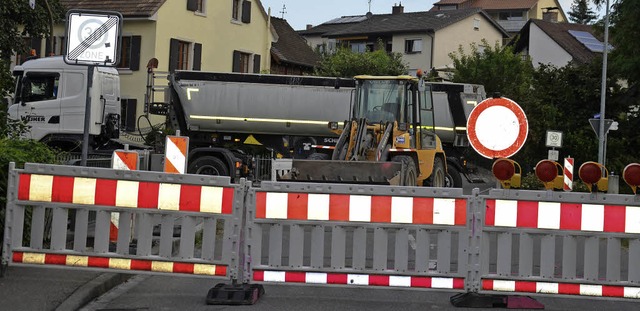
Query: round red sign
[(497, 128)]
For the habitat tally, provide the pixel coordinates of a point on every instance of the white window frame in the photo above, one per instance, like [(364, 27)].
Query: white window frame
[(415, 49)]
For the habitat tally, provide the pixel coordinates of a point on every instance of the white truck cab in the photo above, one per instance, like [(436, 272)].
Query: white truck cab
[(50, 96)]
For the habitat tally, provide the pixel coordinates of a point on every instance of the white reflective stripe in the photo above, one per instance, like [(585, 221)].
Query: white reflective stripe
[(84, 190), (401, 281), (592, 217), (318, 206), (402, 210), (360, 208), (632, 292), (548, 215), (115, 219), (169, 197), (120, 263), (258, 120), (547, 288), (504, 286), (506, 213), (442, 283), (632, 219), (590, 290), (357, 279), (276, 205), (127, 193), (78, 261), (33, 258), (274, 276), (41, 188), (444, 211), (211, 199), (316, 278)]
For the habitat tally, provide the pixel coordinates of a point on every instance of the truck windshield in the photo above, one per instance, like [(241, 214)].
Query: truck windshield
[(380, 100)]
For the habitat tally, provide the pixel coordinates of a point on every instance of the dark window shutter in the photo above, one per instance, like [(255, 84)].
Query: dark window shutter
[(130, 118), (36, 44), (256, 63), (47, 49), (236, 61), (173, 54), (192, 5), (135, 53), (197, 56), (246, 11)]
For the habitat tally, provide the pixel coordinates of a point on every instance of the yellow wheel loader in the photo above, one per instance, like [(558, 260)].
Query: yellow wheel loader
[(389, 138)]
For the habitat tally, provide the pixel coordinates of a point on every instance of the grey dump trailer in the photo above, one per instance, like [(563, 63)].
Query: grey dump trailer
[(231, 118)]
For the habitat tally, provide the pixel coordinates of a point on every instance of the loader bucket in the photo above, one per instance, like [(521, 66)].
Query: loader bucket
[(352, 172)]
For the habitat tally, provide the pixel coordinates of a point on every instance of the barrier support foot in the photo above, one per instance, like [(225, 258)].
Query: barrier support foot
[(234, 294), (475, 300)]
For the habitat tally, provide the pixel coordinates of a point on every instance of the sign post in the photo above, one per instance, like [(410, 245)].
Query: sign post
[(93, 39)]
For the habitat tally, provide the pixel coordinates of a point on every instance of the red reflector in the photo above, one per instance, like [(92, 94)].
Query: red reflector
[(503, 169), (590, 172), (631, 174), (546, 171)]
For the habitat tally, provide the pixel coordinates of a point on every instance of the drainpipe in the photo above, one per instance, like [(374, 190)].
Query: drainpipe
[(268, 54)]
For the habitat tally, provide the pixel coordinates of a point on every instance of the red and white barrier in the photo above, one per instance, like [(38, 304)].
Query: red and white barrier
[(568, 174), (561, 288), (121, 160)]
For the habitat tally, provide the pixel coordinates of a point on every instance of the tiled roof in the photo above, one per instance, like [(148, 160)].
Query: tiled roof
[(504, 4), (128, 8), (489, 4), (406, 22), (291, 47), (558, 32), (324, 28)]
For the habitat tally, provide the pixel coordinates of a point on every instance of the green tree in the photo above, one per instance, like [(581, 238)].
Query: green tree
[(17, 21), (581, 13), (346, 63), (498, 69)]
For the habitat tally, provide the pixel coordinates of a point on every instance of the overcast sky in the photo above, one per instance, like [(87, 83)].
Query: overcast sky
[(299, 13)]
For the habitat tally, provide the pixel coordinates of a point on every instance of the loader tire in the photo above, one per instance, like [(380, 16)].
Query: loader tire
[(453, 179), (208, 165), (318, 156), (437, 178), (411, 173)]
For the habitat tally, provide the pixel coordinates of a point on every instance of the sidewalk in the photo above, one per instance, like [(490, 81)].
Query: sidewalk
[(36, 288)]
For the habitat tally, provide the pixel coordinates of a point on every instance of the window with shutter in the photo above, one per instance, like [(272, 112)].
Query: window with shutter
[(256, 63), (197, 56), (192, 5), (235, 9), (241, 62), (246, 12)]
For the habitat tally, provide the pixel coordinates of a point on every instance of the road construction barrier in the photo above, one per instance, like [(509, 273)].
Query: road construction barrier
[(516, 241), (357, 235), (60, 215), (554, 243)]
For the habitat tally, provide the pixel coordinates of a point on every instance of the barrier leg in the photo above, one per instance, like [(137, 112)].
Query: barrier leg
[(239, 292)]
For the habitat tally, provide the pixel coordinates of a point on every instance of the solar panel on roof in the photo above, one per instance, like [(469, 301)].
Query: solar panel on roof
[(589, 41), (347, 19)]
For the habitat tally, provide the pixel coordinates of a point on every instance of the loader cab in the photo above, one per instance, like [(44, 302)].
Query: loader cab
[(381, 100)]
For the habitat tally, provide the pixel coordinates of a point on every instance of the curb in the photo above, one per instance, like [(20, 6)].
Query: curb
[(92, 289)]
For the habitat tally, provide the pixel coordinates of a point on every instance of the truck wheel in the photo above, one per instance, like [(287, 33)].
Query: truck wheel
[(208, 166), (453, 178), (318, 156), (437, 178), (411, 173)]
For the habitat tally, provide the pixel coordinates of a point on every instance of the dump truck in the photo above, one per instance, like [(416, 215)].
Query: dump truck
[(389, 138)]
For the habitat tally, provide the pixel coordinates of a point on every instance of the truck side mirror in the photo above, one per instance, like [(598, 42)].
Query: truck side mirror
[(24, 90)]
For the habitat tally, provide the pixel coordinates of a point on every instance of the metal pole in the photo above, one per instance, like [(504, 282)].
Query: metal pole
[(603, 90), (87, 116)]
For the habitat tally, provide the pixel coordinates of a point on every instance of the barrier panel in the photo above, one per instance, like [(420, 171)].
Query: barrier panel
[(554, 243), (357, 235), (184, 224)]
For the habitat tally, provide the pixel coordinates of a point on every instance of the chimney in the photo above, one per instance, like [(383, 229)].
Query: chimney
[(550, 14), (309, 26), (397, 9)]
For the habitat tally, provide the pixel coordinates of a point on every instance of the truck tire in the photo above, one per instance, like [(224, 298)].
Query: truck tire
[(453, 179), (411, 173), (437, 178), (318, 156), (208, 165)]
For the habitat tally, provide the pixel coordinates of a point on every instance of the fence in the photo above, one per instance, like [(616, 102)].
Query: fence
[(361, 235)]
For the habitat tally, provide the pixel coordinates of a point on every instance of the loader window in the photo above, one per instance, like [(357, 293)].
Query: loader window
[(39, 87), (381, 100)]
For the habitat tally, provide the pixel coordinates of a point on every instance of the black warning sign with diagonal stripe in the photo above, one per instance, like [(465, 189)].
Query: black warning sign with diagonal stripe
[(93, 38)]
